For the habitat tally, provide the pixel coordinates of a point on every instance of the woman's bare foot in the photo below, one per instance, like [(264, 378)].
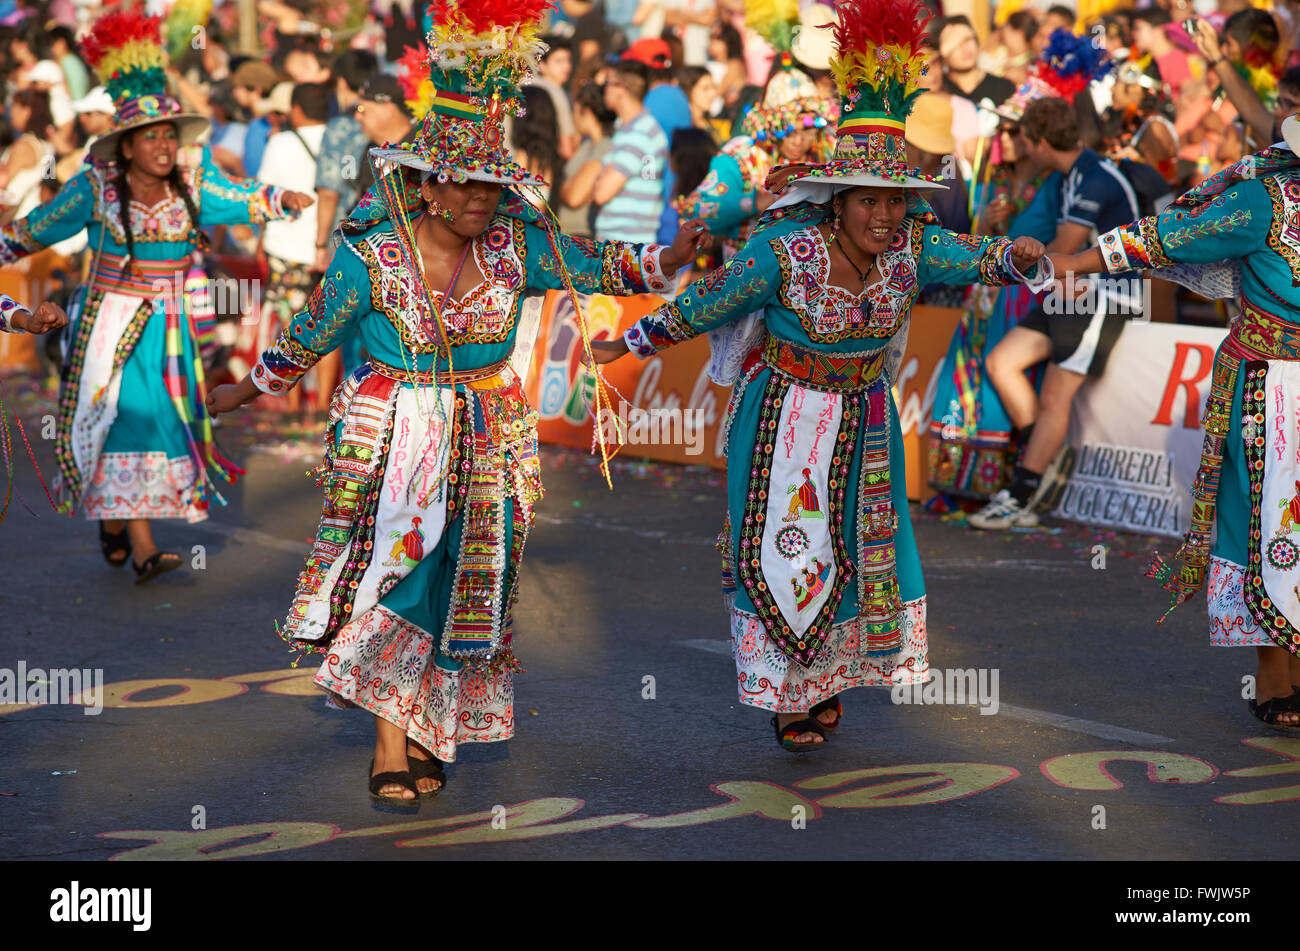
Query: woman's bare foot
[(142, 543), (785, 719), (390, 757), (426, 784), (1277, 673)]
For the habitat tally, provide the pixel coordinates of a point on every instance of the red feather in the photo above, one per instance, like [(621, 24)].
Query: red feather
[(864, 23), (412, 71), (117, 28), (484, 15)]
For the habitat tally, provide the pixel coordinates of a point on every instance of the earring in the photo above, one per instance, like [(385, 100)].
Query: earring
[(835, 226), (436, 209)]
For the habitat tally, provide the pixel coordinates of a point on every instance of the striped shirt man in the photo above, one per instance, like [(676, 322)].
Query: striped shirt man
[(639, 150)]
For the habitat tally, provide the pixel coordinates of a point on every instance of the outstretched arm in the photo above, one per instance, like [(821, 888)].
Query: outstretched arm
[(615, 268), (15, 318), (58, 219), (339, 301), (1226, 227), (950, 258), (226, 200), (745, 285)]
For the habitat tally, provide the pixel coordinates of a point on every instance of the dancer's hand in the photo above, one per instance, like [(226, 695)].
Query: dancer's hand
[(296, 202), (229, 396), (48, 316), (686, 246), (997, 211), (1026, 252), (607, 351)]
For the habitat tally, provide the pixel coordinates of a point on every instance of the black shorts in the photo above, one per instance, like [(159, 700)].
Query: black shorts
[(1079, 343)]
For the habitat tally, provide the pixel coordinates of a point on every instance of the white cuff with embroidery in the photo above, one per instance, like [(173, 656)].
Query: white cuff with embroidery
[(637, 341), (1044, 271), (656, 281), (9, 307), (1113, 254)]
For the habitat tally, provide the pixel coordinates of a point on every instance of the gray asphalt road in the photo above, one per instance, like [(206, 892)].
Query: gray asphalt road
[(1113, 738)]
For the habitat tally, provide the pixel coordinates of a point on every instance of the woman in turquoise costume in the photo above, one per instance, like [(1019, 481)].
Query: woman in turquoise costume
[(973, 444), (134, 442), (792, 123), (830, 593), (431, 468), (1234, 236)]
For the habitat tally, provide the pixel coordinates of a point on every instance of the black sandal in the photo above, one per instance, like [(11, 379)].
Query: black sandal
[(427, 769), (380, 780), (114, 542), (159, 563), (785, 735), (832, 704), (1267, 711)]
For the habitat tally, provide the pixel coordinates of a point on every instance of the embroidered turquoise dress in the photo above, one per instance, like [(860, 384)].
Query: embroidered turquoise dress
[(1236, 236), (431, 469), (134, 438), (820, 566)]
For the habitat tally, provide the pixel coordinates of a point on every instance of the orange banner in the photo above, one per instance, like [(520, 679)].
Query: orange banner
[(671, 410), (918, 378), (29, 281)]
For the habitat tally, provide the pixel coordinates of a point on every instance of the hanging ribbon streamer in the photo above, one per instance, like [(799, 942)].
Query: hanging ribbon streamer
[(6, 446), (601, 400), (392, 189)]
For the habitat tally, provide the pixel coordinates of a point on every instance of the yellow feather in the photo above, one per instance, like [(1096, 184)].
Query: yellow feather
[(764, 16), (135, 54)]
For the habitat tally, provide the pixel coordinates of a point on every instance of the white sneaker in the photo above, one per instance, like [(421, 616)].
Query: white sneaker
[(1002, 512)]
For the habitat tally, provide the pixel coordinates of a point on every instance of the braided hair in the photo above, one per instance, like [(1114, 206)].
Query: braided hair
[(178, 185)]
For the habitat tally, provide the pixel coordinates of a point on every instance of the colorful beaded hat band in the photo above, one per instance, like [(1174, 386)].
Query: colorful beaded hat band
[(125, 48), (480, 51)]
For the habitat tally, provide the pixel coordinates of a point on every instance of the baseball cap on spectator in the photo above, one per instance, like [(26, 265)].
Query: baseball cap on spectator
[(97, 100), (255, 74), (280, 100), (385, 88), (651, 52)]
